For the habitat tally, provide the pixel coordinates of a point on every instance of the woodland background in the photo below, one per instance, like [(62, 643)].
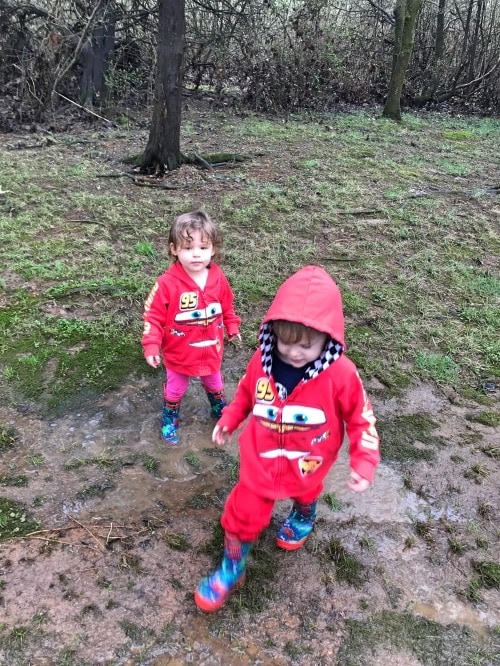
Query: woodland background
[(273, 56)]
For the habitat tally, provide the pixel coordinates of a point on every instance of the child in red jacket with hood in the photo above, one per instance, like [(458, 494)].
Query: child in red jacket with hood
[(302, 393)]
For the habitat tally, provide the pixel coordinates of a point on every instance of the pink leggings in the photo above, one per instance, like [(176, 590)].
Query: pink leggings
[(177, 384)]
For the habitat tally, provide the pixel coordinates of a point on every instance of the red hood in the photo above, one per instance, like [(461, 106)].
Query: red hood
[(312, 298)]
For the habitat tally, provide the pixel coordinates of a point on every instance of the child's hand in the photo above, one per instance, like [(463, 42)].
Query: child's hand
[(220, 435), (357, 484), (153, 361), (232, 338)]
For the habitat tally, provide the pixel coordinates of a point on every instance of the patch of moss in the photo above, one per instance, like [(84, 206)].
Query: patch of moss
[(477, 395), (15, 519), (43, 365), (398, 437), (23, 305), (395, 379), (102, 367), (431, 643)]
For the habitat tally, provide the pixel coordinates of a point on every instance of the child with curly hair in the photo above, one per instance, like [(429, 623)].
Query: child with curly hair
[(188, 310)]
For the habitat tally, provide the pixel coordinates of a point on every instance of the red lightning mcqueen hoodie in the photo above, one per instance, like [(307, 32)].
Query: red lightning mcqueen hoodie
[(289, 445), (187, 323)]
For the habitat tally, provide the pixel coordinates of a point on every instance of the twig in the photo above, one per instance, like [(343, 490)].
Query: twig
[(84, 108), (109, 533), (327, 259), (99, 543), (363, 211), (51, 529), (49, 540), (121, 174)]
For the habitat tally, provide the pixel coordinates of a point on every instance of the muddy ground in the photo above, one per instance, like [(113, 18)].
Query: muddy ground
[(109, 577)]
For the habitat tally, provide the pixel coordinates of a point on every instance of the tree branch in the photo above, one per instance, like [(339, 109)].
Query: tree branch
[(388, 17)]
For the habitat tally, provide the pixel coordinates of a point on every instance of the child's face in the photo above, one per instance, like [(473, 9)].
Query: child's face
[(194, 254), (303, 352)]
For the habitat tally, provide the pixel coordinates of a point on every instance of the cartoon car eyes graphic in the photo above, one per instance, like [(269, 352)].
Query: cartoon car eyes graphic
[(298, 415), (190, 316), (291, 415), (266, 412), (214, 309), (202, 314)]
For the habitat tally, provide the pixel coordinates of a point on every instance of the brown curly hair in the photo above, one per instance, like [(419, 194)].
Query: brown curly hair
[(185, 224)]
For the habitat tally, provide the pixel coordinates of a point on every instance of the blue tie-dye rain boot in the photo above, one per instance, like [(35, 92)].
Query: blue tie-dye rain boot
[(217, 402), (297, 527), (215, 589), (170, 422)]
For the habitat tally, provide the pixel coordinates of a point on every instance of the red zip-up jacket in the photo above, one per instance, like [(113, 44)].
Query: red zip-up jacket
[(187, 323), (289, 445)]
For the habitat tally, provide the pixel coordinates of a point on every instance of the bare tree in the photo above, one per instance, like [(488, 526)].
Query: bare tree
[(405, 14), (163, 148)]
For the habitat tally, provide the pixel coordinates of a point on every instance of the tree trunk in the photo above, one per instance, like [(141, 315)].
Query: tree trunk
[(475, 38), (163, 148), (405, 14), (435, 66), (95, 57), (439, 43)]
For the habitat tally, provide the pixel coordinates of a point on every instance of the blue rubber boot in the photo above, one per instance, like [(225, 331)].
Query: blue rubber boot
[(297, 527), (215, 589), (170, 422), (217, 402)]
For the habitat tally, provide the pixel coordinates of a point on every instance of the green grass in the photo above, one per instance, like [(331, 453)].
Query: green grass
[(431, 643), (386, 208), (193, 460), (176, 541), (332, 501), (8, 437), (487, 418), (347, 568), (15, 520)]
